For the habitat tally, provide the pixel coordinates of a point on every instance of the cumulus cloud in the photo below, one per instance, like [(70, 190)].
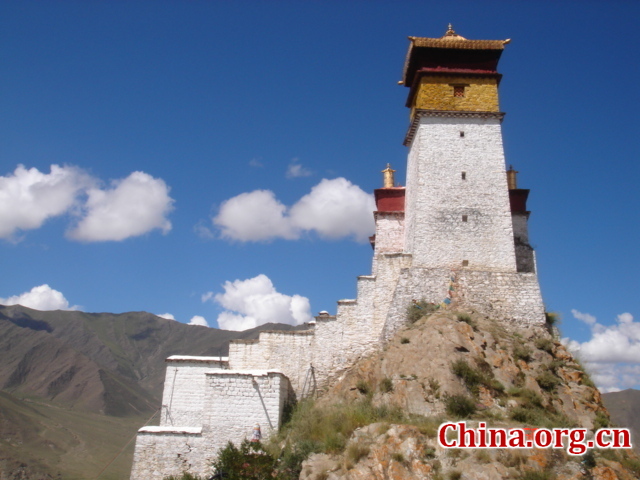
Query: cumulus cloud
[(295, 170), (254, 216), (198, 320), (29, 197), (132, 206), (42, 297), (166, 316), (255, 301), (612, 354), (333, 209)]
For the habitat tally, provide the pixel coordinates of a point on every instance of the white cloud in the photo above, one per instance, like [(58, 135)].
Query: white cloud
[(255, 301), (42, 297), (198, 320), (612, 355), (254, 216), (585, 317), (333, 209), (166, 316), (29, 197), (256, 162), (295, 170), (133, 206)]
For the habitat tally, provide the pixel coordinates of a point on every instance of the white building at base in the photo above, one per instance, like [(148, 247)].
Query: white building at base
[(456, 236)]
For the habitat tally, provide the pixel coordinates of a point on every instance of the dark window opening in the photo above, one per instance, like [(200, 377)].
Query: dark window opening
[(464, 175), (461, 133), (458, 90), (464, 218), (465, 263)]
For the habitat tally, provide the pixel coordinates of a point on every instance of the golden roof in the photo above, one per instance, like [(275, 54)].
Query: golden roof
[(452, 40)]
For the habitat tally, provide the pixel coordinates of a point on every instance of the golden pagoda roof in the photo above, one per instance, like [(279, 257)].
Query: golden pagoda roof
[(452, 40), (486, 50)]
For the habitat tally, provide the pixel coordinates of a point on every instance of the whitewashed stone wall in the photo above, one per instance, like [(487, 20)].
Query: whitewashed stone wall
[(184, 389), (164, 451), (237, 400), (438, 197), (234, 403)]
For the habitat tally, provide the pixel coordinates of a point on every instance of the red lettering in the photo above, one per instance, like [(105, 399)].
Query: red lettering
[(602, 433), (442, 435)]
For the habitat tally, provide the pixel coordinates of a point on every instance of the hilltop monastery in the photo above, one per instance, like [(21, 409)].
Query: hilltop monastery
[(455, 234)]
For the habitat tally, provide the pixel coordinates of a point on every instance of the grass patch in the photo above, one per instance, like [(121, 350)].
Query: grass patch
[(420, 309), (363, 386), (463, 317), (522, 352), (474, 377), (386, 385), (544, 344), (398, 457), (460, 406), (547, 381), (601, 421), (454, 475), (356, 451)]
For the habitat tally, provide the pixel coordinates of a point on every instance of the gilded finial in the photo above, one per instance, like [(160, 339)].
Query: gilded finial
[(452, 35), (389, 179), (512, 178)]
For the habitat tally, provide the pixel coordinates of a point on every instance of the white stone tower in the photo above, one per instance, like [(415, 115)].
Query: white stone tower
[(455, 236), (457, 206)]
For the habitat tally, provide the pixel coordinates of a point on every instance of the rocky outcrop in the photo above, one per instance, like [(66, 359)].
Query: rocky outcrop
[(513, 377)]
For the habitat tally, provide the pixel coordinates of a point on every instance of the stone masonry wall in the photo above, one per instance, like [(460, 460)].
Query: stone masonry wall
[(237, 400), (457, 202), (234, 403), (160, 452), (184, 389)]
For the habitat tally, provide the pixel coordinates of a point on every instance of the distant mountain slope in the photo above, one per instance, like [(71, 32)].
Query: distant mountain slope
[(624, 408), (64, 370)]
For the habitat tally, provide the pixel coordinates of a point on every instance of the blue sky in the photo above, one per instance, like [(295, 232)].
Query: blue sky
[(212, 100)]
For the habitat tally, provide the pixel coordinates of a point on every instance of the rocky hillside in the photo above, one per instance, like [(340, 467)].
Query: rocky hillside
[(75, 386), (461, 365)]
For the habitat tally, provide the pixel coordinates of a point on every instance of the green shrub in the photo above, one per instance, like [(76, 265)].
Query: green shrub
[(249, 462), (420, 309), (473, 377), (356, 451), (454, 475), (544, 344), (469, 375), (386, 385), (463, 317), (460, 406), (522, 352), (547, 381), (398, 457), (537, 475), (589, 460), (363, 386), (184, 476), (405, 340), (601, 421), (552, 318)]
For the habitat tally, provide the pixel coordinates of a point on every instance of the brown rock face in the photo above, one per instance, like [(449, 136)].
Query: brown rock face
[(515, 377)]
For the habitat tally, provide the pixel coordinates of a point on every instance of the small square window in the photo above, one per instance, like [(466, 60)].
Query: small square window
[(461, 132), (458, 90), (465, 218), (464, 175), (465, 263)]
